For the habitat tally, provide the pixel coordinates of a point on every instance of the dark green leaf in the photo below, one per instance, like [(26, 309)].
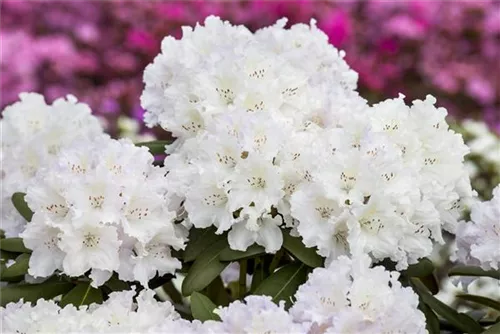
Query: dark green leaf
[(21, 206), (306, 255), (172, 292), (481, 300), (458, 320), (283, 284), (13, 245), (431, 319), (495, 329), (229, 254), (17, 270), (259, 275), (202, 307), (33, 292), (473, 271), (199, 240), (82, 294), (6, 256), (421, 269), (217, 292), (206, 267), (115, 284), (156, 147)]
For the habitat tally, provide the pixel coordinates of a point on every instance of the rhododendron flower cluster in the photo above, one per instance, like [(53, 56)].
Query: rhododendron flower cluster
[(102, 207), (342, 298), (266, 139), (478, 240), (33, 133)]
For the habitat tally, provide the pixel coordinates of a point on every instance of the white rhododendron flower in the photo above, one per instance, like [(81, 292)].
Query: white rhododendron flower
[(478, 240), (258, 314), (350, 297), (119, 314), (268, 140), (102, 206), (33, 133)]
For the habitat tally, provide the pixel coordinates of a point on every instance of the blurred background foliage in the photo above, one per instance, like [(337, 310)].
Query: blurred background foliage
[(97, 50)]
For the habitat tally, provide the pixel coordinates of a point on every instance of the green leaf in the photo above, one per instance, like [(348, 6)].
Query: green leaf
[(13, 245), (495, 329), (282, 284), (431, 319), (115, 284), (481, 300), (202, 307), (258, 276), (206, 267), (423, 268), (217, 292), (229, 254), (6, 256), (82, 294), (21, 206), (33, 292), (199, 240), (155, 147), (458, 320), (17, 270), (306, 255), (473, 271)]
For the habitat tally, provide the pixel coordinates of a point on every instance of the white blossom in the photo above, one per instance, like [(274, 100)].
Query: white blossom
[(33, 134), (350, 297), (102, 206), (478, 240)]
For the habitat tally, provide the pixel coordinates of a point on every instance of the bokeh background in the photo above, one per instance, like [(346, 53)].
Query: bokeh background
[(97, 50)]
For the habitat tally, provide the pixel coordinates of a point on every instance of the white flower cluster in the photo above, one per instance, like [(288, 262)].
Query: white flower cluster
[(273, 133), (338, 299), (33, 133), (484, 143), (259, 314), (350, 297), (478, 241), (102, 207), (118, 314)]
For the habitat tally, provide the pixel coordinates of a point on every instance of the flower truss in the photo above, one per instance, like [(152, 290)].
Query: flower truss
[(33, 133), (341, 298), (478, 240), (102, 207), (266, 139)]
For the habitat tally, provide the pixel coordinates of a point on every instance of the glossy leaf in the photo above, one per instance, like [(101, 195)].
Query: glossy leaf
[(229, 254), (431, 319), (16, 271), (33, 292), (258, 276), (458, 320), (205, 268), (115, 284), (282, 284), (199, 240), (21, 206), (473, 271), (481, 300), (217, 293), (15, 245), (202, 307), (82, 294), (306, 255), (423, 268)]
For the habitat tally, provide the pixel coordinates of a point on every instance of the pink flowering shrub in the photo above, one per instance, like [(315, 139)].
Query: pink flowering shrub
[(98, 50)]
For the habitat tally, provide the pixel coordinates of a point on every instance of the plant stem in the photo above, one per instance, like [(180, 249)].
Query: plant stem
[(242, 287)]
